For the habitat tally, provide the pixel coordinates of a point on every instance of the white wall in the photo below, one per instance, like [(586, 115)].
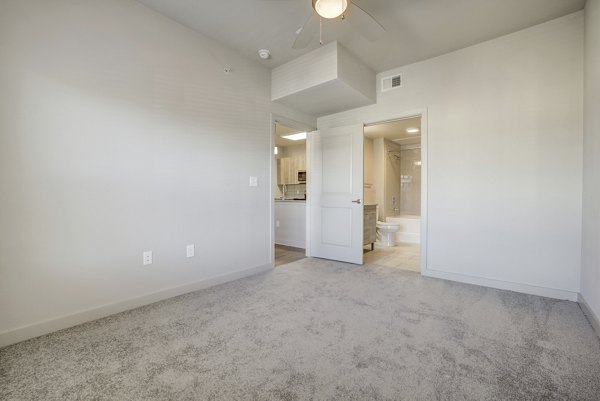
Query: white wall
[(504, 156), (590, 273), (119, 133)]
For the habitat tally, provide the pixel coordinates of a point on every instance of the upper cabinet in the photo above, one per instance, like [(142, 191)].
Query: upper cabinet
[(287, 169)]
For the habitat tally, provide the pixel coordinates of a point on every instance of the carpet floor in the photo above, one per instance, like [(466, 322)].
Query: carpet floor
[(319, 330)]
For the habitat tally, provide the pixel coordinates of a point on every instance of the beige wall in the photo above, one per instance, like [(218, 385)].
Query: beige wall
[(590, 274), (410, 185), (120, 133), (369, 174), (504, 139), (391, 189), (379, 176)]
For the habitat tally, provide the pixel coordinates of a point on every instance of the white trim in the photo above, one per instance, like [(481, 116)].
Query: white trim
[(309, 139), (424, 192), (48, 326), (503, 285), (589, 313), (292, 244), (272, 167)]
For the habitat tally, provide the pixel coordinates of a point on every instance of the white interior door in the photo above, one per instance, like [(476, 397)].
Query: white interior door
[(336, 191)]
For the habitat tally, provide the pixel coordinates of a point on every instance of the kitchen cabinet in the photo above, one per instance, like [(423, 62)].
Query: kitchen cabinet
[(284, 171), (287, 169)]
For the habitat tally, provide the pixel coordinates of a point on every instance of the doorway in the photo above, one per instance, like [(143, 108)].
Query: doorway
[(336, 212), (392, 191), (289, 192)]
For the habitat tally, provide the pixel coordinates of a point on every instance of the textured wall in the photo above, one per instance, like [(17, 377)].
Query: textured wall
[(119, 133)]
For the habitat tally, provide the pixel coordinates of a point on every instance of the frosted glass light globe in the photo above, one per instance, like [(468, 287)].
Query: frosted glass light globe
[(330, 8)]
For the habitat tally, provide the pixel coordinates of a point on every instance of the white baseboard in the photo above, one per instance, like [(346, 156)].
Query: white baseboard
[(504, 285), (589, 313), (292, 243), (48, 326)]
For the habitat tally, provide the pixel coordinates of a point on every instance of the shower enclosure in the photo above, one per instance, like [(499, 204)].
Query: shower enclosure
[(403, 191)]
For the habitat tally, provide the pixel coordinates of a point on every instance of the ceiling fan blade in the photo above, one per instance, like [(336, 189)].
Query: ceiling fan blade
[(307, 32), (364, 22)]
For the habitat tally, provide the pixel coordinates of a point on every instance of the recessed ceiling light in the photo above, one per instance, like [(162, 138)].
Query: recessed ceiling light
[(412, 130), (295, 137)]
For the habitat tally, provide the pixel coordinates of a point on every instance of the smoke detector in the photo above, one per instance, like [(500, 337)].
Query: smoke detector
[(264, 54)]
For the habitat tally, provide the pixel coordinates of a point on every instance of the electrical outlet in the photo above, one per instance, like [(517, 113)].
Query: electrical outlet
[(253, 182), (190, 251), (147, 258), (277, 223)]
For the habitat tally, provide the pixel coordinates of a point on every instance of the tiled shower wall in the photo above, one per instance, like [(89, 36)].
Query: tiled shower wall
[(410, 181)]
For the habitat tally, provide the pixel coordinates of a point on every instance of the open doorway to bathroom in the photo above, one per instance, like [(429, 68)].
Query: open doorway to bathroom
[(392, 193), (289, 191)]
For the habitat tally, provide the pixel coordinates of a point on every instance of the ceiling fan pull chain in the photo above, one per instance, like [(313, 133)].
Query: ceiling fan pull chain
[(320, 30)]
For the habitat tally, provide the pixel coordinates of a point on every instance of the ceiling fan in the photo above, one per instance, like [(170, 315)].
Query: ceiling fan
[(362, 21)]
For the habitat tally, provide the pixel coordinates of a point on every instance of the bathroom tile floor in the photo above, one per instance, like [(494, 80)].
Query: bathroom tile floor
[(287, 254), (402, 256)]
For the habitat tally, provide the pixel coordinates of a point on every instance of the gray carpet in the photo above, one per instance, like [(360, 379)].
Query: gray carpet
[(319, 330)]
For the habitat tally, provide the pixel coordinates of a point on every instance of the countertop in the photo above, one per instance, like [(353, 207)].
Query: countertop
[(291, 200)]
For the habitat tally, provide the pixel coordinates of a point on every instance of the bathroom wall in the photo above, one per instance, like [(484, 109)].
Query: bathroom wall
[(370, 194), (383, 173), (120, 133), (504, 124), (379, 176), (590, 274), (391, 189), (410, 180)]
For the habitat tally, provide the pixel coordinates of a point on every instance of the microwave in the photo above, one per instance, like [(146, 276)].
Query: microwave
[(301, 176)]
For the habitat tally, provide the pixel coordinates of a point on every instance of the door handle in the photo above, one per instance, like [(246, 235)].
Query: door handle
[(356, 201)]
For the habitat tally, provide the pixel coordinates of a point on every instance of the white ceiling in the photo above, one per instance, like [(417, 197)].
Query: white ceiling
[(280, 130), (396, 130), (415, 29)]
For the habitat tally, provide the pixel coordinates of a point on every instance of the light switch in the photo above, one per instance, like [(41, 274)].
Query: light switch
[(190, 251), (253, 181)]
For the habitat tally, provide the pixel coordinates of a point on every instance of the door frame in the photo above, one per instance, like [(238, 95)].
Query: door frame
[(288, 122), (424, 174)]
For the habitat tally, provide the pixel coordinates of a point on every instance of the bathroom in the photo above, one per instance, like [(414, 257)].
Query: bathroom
[(392, 182)]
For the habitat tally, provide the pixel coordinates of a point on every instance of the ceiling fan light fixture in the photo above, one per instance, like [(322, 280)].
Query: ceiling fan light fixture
[(330, 8)]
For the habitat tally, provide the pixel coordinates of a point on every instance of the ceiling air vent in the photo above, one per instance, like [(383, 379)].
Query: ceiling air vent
[(392, 82)]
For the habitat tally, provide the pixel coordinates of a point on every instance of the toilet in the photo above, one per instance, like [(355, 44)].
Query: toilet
[(387, 233)]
